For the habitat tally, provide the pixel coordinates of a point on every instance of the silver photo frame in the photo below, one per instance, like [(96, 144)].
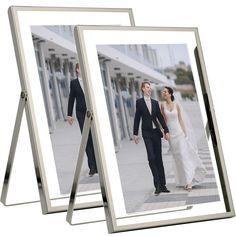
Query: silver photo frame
[(26, 25), (114, 63)]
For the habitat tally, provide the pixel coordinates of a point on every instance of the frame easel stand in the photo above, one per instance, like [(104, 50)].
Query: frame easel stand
[(45, 201), (72, 205)]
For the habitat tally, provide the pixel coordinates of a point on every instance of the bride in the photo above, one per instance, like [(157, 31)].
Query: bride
[(189, 169)]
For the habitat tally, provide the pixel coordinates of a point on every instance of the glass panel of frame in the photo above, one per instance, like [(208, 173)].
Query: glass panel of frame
[(161, 160), (46, 56)]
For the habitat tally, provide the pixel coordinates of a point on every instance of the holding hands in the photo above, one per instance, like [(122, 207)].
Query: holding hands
[(167, 136), (70, 120), (136, 139)]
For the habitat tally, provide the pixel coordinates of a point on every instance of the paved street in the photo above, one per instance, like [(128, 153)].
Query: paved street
[(66, 140), (138, 186), (134, 170)]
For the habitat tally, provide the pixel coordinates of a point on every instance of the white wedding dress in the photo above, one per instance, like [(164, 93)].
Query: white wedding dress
[(187, 165)]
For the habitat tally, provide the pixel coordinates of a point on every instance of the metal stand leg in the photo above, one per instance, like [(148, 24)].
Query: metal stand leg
[(200, 73), (44, 197), (21, 107), (85, 134), (40, 176)]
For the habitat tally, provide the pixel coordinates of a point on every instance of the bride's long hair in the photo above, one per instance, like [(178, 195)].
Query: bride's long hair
[(171, 92)]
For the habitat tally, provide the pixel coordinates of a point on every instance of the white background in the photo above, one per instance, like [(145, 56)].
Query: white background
[(217, 27)]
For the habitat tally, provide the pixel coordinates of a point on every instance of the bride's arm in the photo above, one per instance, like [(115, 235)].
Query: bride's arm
[(162, 111), (181, 120)]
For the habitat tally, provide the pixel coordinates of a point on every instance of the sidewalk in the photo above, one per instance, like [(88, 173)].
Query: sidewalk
[(66, 140), (137, 183)]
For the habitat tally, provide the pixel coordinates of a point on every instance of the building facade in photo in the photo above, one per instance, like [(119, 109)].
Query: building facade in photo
[(123, 69)]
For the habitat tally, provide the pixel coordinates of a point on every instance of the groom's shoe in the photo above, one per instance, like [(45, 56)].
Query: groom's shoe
[(164, 190), (92, 172), (157, 191)]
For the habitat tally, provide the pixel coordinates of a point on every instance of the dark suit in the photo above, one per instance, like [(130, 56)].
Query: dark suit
[(152, 137), (76, 93)]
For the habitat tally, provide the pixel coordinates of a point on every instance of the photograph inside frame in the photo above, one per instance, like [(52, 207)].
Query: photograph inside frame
[(64, 102), (158, 131)]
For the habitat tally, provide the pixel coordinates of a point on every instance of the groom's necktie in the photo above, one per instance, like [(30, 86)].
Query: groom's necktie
[(149, 106)]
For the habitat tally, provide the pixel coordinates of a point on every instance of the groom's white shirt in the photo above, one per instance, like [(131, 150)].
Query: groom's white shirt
[(81, 82)]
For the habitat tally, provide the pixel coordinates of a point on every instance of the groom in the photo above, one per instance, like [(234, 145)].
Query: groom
[(77, 94), (149, 110)]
